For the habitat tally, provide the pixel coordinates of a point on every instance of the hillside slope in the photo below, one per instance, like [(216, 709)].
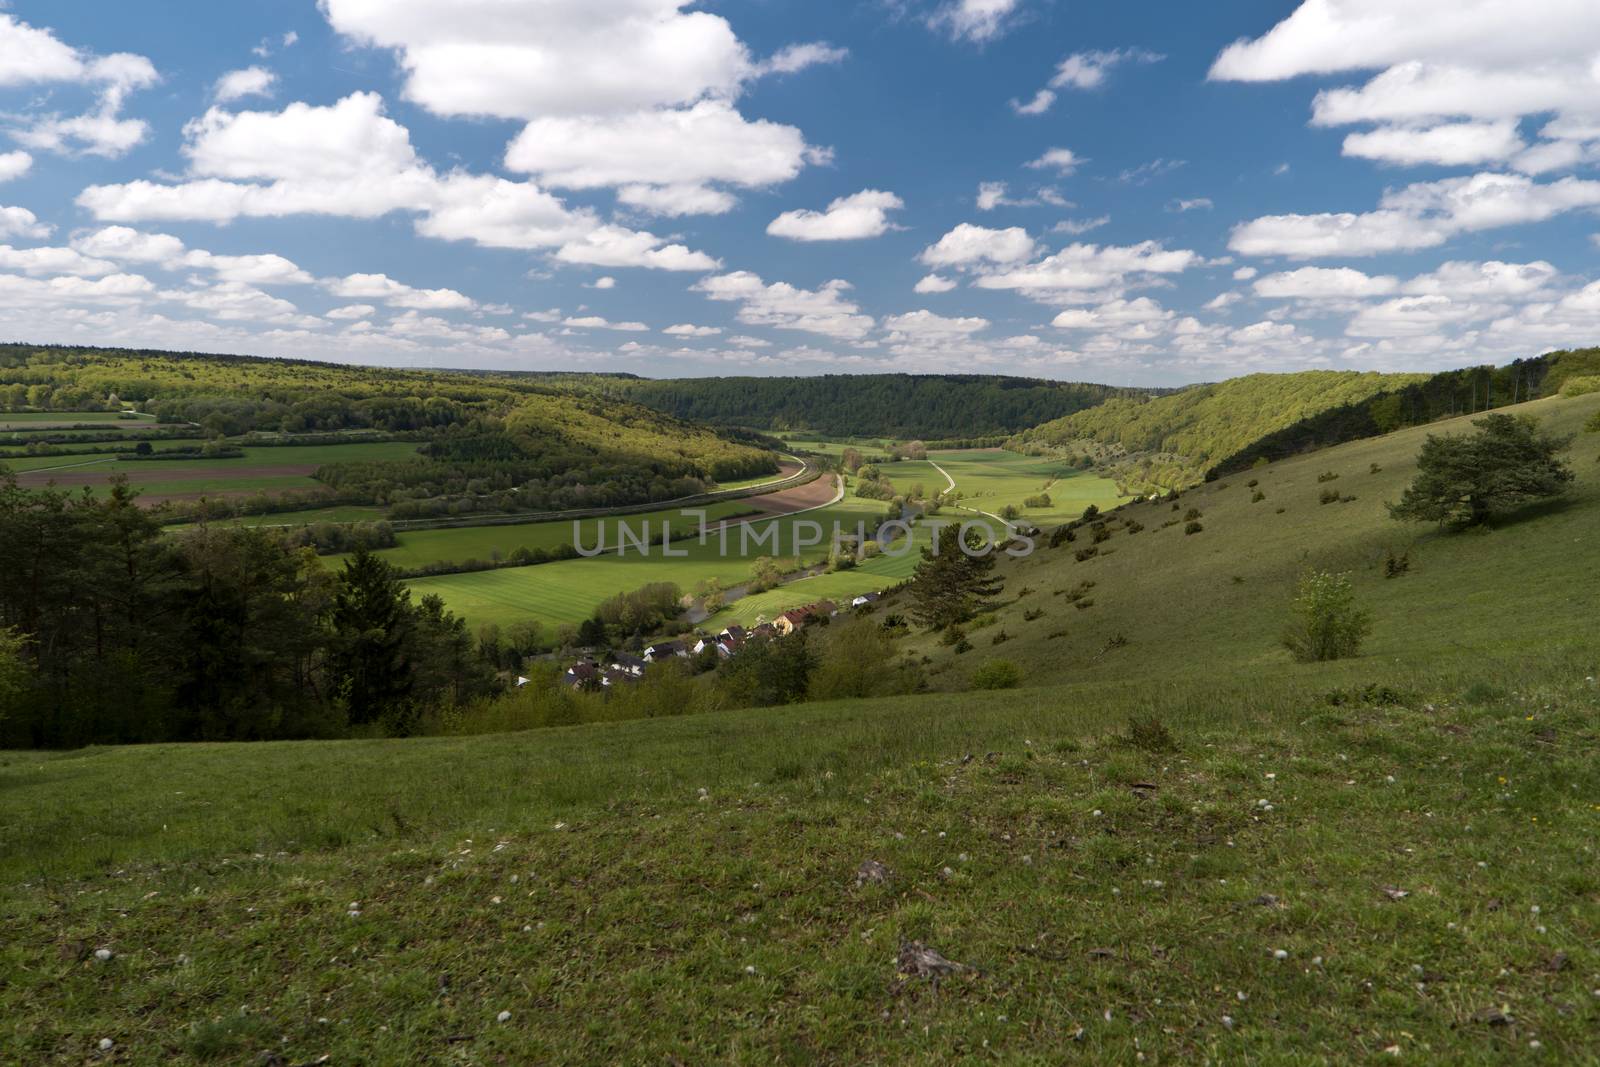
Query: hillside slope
[(1217, 600)]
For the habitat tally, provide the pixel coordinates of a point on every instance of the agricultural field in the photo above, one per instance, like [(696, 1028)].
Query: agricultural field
[(873, 576), (260, 469), (867, 446), (103, 421), (306, 517), (567, 591), (989, 479)]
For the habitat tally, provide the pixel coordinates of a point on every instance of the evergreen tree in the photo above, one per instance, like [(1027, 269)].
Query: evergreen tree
[(953, 581), (372, 623), (1466, 480)]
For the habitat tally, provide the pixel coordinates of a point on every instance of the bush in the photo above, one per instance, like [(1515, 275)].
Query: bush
[(1376, 468), (1101, 533), (1328, 496), (1394, 566), (1032, 613), (1593, 425), (1134, 526), (1580, 386), (1150, 735), (1038, 500), (997, 674), (1086, 553), (1191, 515), (1257, 497), (1062, 535), (1000, 638), (1252, 483), (1193, 528), (1327, 476), (1327, 623)]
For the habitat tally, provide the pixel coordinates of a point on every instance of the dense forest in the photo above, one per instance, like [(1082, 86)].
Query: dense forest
[(1177, 440), (112, 631), (929, 406)]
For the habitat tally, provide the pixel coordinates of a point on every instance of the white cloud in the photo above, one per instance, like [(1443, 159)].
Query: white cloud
[(975, 20), (1491, 280), (1091, 267), (1410, 316), (1222, 301), (132, 246), (42, 261), (14, 165), (595, 322), (1493, 62), (997, 194), (849, 218), (1141, 317), (129, 245), (20, 222), (798, 57), (1199, 203), (684, 329), (1061, 160), (31, 56), (351, 311), (1452, 144), (684, 149), (933, 283), (349, 159), (1042, 102), (925, 325), (1074, 227), (603, 282), (677, 200), (1244, 274), (968, 244), (238, 84), (824, 310), (397, 294), (1318, 283), (1088, 70), (1423, 215), (536, 58)]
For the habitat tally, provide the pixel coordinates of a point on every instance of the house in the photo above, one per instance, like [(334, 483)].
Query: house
[(865, 599), (584, 674), (628, 664), (704, 643), (790, 621), (664, 650), (765, 629)]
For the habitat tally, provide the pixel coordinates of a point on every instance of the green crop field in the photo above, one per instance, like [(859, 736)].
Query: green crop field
[(867, 446), (43, 420), (568, 591), (875, 575), (259, 469), (306, 517), (419, 548), (989, 479)]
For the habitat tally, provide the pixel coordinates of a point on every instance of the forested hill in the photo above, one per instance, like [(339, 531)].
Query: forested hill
[(1178, 440), (493, 417), (888, 405)]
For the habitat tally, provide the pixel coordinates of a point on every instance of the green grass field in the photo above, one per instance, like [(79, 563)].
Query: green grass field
[(42, 420), (569, 590), (420, 547), (1391, 856), (252, 472), (835, 446), (307, 517), (873, 576)]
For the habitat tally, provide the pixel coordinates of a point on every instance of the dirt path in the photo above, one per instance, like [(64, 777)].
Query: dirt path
[(821, 493)]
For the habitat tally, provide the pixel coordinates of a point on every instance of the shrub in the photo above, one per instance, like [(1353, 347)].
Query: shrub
[(1134, 526), (1032, 613), (1327, 476), (1038, 500), (1193, 528), (1101, 533), (1394, 566), (963, 645), (1257, 497), (997, 674), (1150, 735), (1062, 535), (1090, 513), (1328, 496), (1000, 638), (1191, 515), (1372, 695), (1593, 425), (1086, 553), (953, 636), (1053, 634), (1376, 468), (1084, 604), (1327, 623), (1252, 483), (1580, 386)]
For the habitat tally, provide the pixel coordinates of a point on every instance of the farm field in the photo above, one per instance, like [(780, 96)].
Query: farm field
[(990, 479), (836, 446), (269, 469), (873, 576), (567, 591), (307, 517), (51, 420)]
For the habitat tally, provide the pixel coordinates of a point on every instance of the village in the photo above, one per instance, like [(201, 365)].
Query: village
[(602, 671)]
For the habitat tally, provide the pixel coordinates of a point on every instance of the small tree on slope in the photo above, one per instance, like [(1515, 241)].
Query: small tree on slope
[(1327, 623), (1466, 480), (949, 584)]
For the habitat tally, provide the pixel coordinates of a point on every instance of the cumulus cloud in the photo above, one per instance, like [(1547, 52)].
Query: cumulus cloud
[(1060, 160), (825, 310), (14, 165), (1088, 267), (685, 329), (32, 56), (1438, 60), (397, 294), (1316, 283), (1423, 215), (968, 244), (350, 159), (20, 222), (595, 322), (848, 218), (798, 57), (933, 283), (238, 84)]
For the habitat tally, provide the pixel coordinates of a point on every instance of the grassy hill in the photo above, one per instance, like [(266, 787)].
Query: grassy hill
[(1390, 855)]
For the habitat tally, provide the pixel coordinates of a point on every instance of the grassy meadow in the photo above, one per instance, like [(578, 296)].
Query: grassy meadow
[(1219, 597), (259, 469)]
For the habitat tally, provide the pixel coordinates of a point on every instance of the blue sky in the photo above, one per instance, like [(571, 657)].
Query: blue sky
[(1110, 192)]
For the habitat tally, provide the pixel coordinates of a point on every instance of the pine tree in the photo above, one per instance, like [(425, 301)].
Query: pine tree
[(952, 582), (1466, 480), (371, 622)]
